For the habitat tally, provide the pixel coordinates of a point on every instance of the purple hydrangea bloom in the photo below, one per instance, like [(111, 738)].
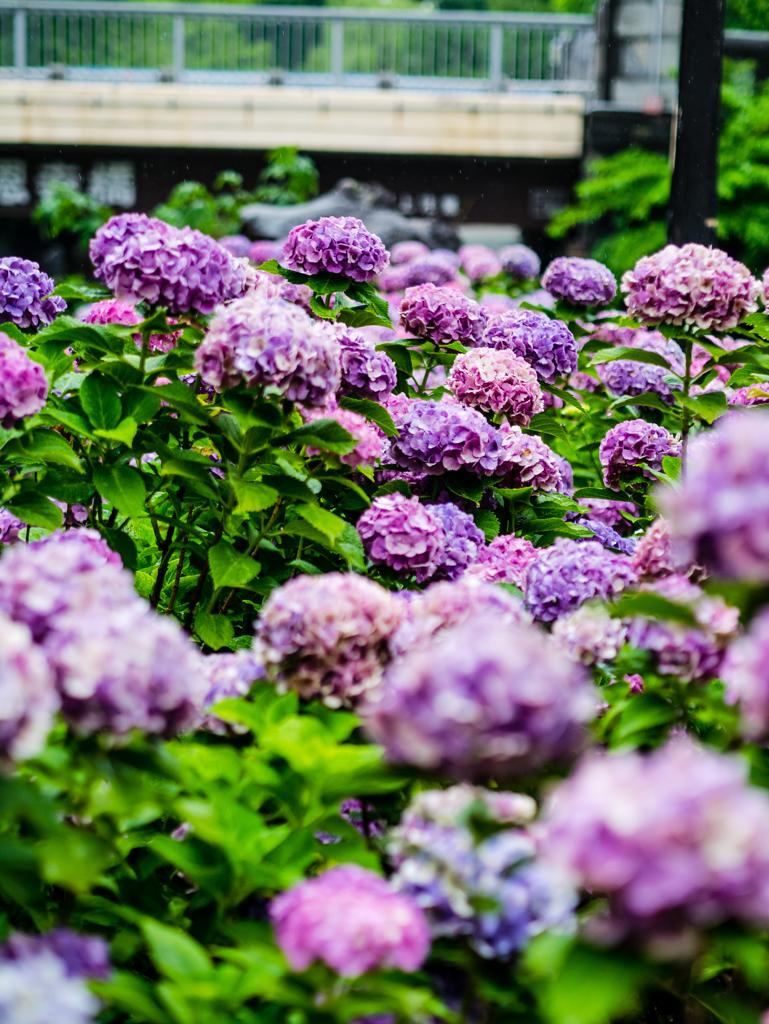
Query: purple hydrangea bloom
[(579, 281), (268, 342), (462, 540), (28, 696), (400, 532), (479, 262), (405, 252), (493, 891), (590, 634), (631, 443), (435, 437), (694, 284), (688, 652), (497, 302), (227, 675), (607, 536), (496, 381), (352, 920), (430, 269), (113, 311), (337, 245), (608, 512), (486, 698), (745, 671), (446, 604), (23, 385), (394, 279), (527, 461), (676, 841), (570, 572), (548, 345), (504, 560), (25, 294), (326, 636), (265, 249), (366, 373), (10, 527), (442, 315), (273, 286), (719, 515), (627, 377), (37, 985), (239, 245), (653, 555), (143, 259), (519, 261), (83, 956)]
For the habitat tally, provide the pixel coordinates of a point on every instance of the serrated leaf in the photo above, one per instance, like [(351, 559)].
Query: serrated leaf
[(362, 316), (320, 309), (601, 492), (230, 567), (326, 434), (544, 423), (35, 510), (708, 406), (486, 520), (349, 545), (140, 406), (253, 497), (671, 466), (372, 411), (45, 446), (123, 487), (66, 485), (80, 292), (216, 631), (123, 544), (635, 355), (648, 400), (123, 433), (175, 954), (101, 402), (330, 525), (122, 373)]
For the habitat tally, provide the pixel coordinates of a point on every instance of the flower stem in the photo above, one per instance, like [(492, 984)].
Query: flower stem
[(686, 415)]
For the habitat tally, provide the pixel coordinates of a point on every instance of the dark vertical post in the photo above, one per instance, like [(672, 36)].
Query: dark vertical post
[(693, 211), (609, 48)]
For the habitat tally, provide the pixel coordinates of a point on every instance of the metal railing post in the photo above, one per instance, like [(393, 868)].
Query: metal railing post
[(178, 47), (495, 58), (20, 40), (337, 51)]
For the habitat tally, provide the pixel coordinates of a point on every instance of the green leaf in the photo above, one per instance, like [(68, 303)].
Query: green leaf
[(330, 525), (465, 485), (253, 497), (513, 493), (176, 955), (671, 466), (68, 486), (123, 373), (123, 544), (601, 492), (70, 419), (544, 423), (327, 435), (363, 291), (214, 630), (652, 606), (123, 487), (636, 355), (399, 354), (73, 858), (199, 475), (350, 547), (486, 520), (45, 446), (372, 411), (140, 406), (565, 396), (362, 316), (644, 711), (251, 413), (229, 567), (648, 399), (559, 526), (592, 988), (708, 406), (133, 995), (101, 402), (123, 433), (35, 510), (320, 309), (80, 292)]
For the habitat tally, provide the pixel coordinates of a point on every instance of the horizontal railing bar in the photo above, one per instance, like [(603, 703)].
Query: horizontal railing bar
[(243, 12)]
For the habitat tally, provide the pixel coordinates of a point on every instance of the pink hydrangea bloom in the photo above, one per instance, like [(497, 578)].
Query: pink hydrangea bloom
[(497, 381), (367, 451), (351, 920), (527, 461), (442, 315), (653, 555), (400, 532), (115, 311), (23, 384), (590, 634), (479, 262), (745, 671), (504, 560), (405, 252)]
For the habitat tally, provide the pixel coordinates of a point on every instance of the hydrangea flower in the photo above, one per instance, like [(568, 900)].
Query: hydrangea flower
[(442, 315), (402, 533), (519, 261), (579, 281), (570, 572), (653, 555), (548, 345), (486, 698), (366, 373), (590, 634), (431, 269), (143, 259), (631, 443), (268, 342), (227, 675), (745, 670), (694, 284), (326, 636), (627, 377), (273, 286), (527, 461), (10, 527), (238, 245), (29, 699), (493, 891), (463, 540), (83, 956), (605, 535), (443, 605), (753, 395), (405, 252), (479, 262), (37, 985), (337, 245), (25, 294), (114, 311), (435, 437), (394, 280), (719, 515), (496, 382), (352, 920), (691, 653), (609, 512), (367, 451), (265, 249), (676, 841), (504, 560), (23, 385)]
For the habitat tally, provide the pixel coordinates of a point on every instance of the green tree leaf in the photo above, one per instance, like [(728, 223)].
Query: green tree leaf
[(330, 525), (229, 567), (101, 402), (215, 630), (35, 510), (123, 487), (254, 497), (372, 411)]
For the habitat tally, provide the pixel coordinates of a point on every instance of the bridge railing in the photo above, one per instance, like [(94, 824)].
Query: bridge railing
[(215, 43)]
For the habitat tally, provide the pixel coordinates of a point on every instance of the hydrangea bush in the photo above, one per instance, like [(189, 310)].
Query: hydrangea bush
[(387, 655)]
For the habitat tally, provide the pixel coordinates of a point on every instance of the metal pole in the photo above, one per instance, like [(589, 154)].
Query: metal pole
[(178, 47), (496, 54), (693, 211), (20, 40)]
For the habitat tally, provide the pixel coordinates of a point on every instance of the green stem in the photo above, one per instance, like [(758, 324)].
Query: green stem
[(686, 415), (145, 349), (201, 580), (165, 559), (179, 567), (252, 550)]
